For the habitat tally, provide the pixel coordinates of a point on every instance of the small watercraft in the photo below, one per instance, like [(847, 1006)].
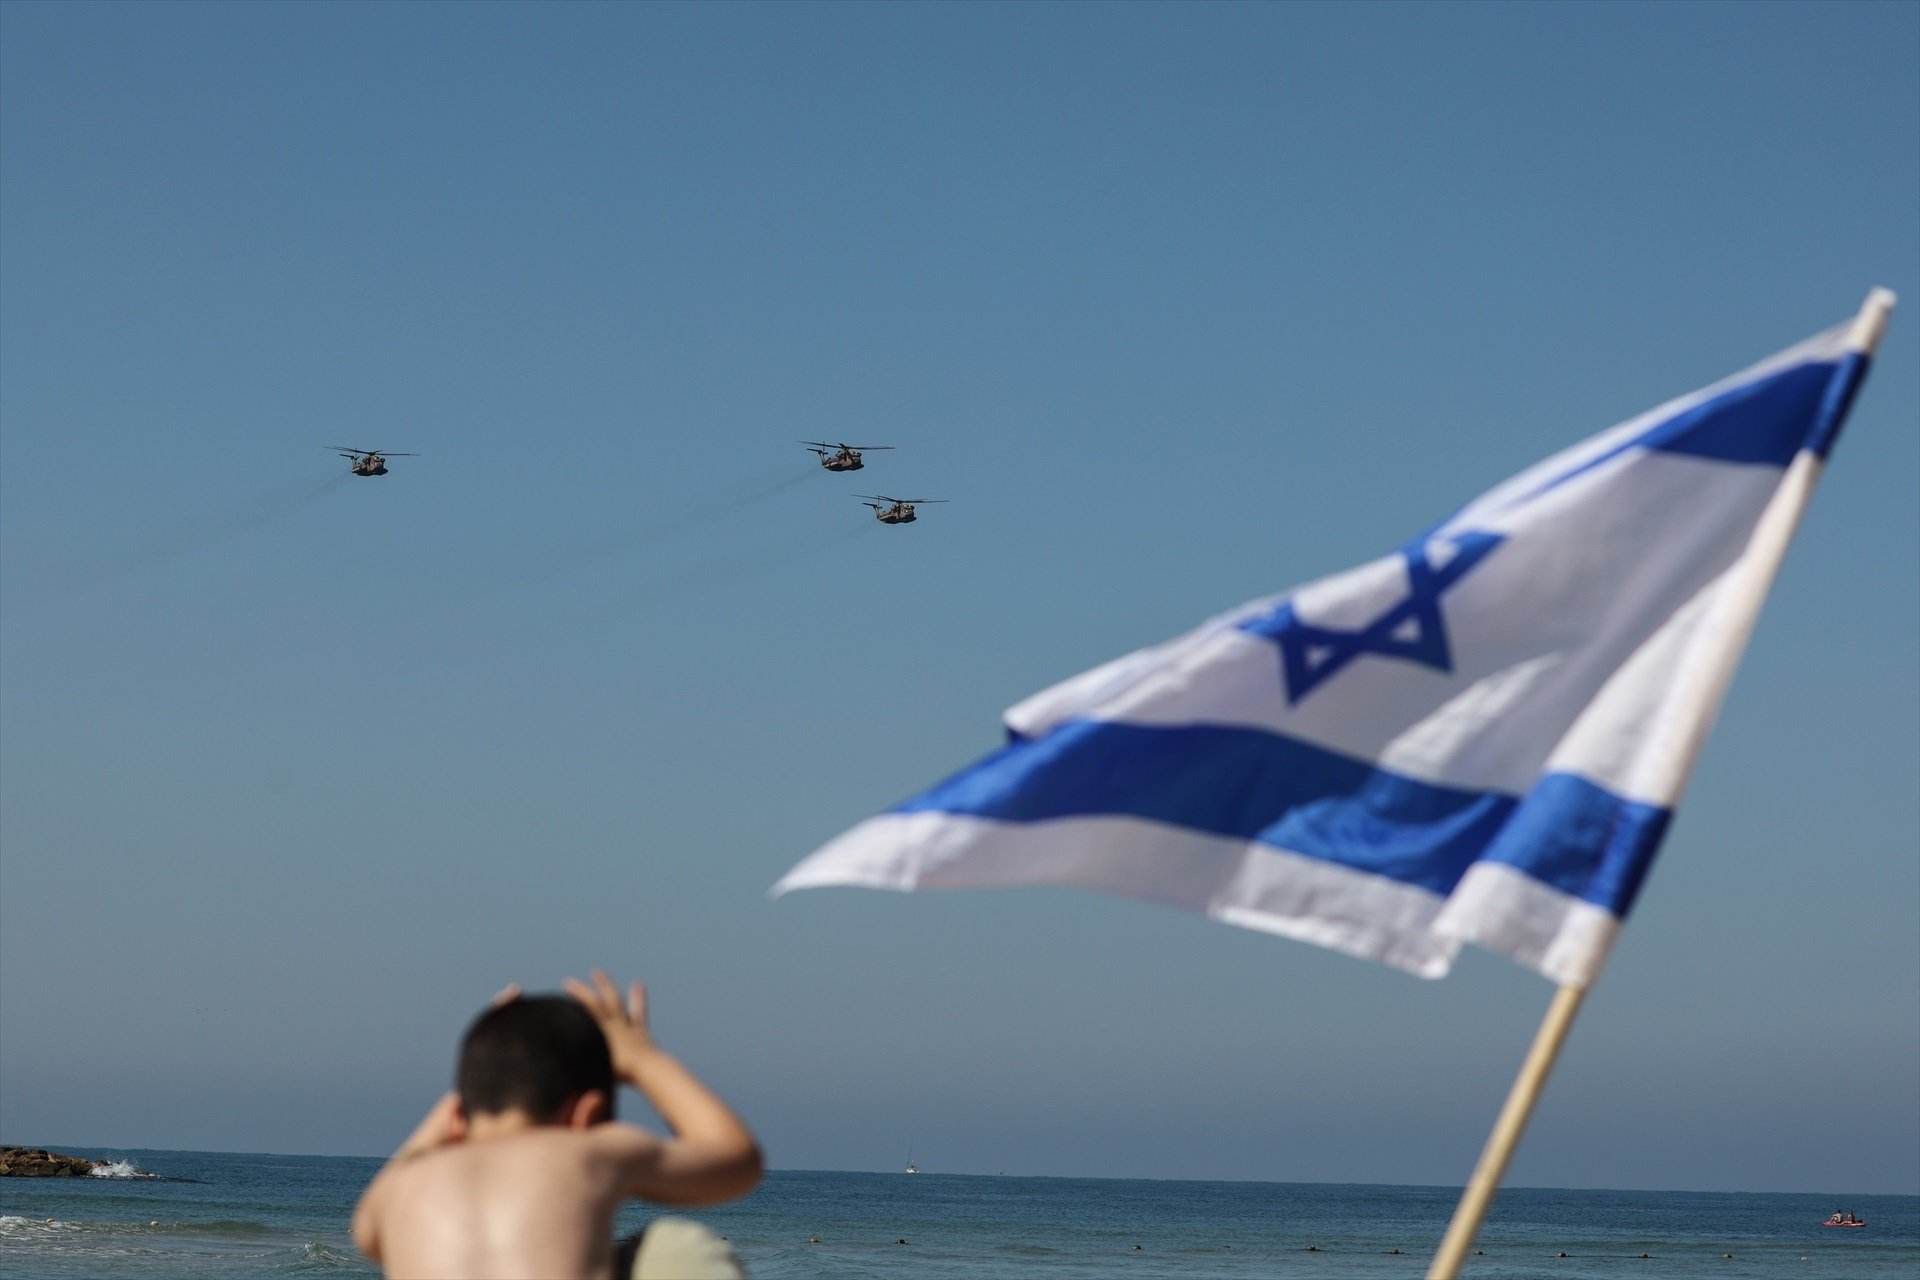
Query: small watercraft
[(1844, 1220)]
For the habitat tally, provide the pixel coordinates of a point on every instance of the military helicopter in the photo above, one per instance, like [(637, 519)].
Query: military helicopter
[(844, 457), (367, 462), (893, 510)]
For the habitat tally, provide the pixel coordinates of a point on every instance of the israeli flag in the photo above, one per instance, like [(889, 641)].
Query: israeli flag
[(1478, 738)]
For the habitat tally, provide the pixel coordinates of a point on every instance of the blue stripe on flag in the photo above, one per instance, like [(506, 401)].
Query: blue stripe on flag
[(1255, 785), (1583, 840), (1833, 410), (1763, 422)]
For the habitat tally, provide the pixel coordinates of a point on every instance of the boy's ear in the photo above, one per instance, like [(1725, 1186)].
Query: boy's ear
[(457, 1124), (587, 1110)]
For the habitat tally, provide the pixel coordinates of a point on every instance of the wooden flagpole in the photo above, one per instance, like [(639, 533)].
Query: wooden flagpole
[(1478, 1197), (1738, 609)]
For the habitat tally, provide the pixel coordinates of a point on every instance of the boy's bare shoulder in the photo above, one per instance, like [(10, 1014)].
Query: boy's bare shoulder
[(541, 1148), (540, 1156), (621, 1139)]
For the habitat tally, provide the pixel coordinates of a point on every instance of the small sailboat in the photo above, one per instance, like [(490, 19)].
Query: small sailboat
[(911, 1166)]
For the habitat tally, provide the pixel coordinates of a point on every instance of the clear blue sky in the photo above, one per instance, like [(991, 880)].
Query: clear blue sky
[(1179, 305)]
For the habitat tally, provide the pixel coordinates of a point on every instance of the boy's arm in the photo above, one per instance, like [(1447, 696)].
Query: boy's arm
[(711, 1156), (440, 1127)]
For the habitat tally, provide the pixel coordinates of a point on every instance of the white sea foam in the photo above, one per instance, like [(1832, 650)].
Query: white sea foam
[(119, 1169), (314, 1256)]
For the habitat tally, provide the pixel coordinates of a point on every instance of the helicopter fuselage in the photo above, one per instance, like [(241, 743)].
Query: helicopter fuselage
[(848, 461), (366, 462), (900, 514)]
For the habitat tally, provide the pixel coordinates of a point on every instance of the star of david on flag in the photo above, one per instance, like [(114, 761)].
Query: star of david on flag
[(1411, 629), (1479, 738)]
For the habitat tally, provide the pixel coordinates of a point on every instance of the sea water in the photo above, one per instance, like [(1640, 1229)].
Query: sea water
[(182, 1215)]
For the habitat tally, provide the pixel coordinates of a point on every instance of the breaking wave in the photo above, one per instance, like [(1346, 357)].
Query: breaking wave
[(319, 1257), (120, 1169), (15, 1227)]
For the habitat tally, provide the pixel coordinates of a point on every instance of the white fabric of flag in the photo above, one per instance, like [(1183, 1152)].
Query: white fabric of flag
[(1480, 737)]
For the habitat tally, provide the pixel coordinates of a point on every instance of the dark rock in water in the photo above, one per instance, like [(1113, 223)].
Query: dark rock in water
[(33, 1162)]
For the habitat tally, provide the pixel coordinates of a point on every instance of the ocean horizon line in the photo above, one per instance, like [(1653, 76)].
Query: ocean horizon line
[(1062, 1177)]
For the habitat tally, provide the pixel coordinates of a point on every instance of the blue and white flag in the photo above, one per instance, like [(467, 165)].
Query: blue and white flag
[(1478, 738)]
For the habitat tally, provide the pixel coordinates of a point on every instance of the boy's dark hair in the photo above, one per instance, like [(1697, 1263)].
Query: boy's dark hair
[(535, 1054)]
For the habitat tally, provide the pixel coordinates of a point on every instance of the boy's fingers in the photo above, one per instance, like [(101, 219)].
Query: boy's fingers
[(583, 993), (506, 995), (609, 994), (637, 1002)]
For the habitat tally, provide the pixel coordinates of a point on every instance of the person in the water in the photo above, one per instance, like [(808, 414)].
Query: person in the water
[(518, 1171)]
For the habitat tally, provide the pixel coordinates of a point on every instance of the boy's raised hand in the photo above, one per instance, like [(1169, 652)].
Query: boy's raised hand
[(711, 1154), (625, 1026)]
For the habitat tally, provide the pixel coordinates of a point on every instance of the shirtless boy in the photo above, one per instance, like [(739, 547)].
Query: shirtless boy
[(517, 1173)]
